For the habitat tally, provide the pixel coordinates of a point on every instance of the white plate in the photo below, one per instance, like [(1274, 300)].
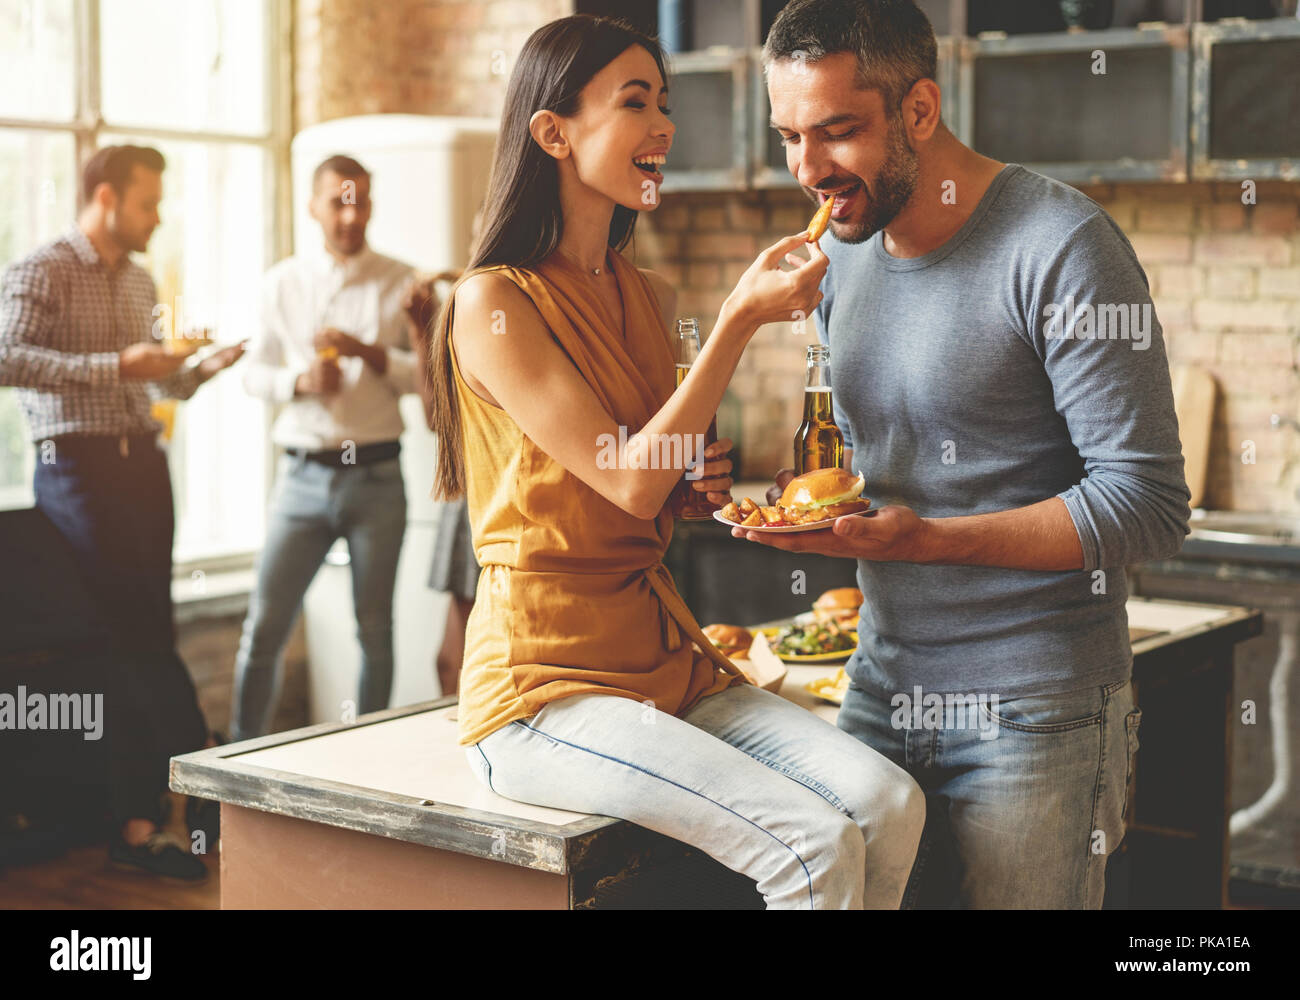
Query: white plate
[(788, 528)]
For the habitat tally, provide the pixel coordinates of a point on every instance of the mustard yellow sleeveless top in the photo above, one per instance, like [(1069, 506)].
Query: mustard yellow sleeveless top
[(573, 596)]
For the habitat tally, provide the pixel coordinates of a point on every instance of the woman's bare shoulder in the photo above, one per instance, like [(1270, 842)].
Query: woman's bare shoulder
[(490, 302), (488, 288)]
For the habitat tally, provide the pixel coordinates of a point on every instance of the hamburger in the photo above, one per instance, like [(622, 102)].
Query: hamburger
[(836, 491), (839, 606), (731, 640)]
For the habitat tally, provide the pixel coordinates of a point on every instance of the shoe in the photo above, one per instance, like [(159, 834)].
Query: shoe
[(162, 854), (205, 815)]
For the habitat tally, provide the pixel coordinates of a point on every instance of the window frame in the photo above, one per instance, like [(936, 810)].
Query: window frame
[(89, 131)]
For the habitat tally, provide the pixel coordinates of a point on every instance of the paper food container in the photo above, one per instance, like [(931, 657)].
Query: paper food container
[(763, 666)]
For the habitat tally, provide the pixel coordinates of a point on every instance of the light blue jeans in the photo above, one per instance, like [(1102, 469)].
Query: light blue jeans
[(816, 818), (313, 506), (1025, 820)]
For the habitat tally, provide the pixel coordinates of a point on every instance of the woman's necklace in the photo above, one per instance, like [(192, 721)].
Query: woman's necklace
[(593, 270)]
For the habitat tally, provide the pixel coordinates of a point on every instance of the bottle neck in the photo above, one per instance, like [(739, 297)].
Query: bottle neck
[(688, 341), (818, 377)]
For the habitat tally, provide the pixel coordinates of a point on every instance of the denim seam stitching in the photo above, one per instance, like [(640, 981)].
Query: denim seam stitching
[(637, 767), (912, 888), (806, 781), (489, 767), (1130, 754), (1093, 857), (1054, 727)]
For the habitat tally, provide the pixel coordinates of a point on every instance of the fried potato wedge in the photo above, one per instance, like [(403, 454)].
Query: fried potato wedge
[(817, 226)]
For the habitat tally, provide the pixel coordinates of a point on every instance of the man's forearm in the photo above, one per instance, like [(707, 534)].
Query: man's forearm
[(269, 382), (180, 384), (31, 367), (1041, 536)]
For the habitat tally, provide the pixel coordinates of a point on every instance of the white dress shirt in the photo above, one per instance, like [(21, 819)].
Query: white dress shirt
[(362, 296)]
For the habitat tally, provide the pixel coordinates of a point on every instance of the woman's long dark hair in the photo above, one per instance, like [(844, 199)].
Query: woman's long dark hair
[(522, 221)]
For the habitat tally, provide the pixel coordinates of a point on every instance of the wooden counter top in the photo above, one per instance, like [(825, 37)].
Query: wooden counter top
[(401, 774)]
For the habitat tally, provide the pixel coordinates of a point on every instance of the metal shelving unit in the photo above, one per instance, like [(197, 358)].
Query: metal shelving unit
[(1249, 126), (1080, 112), (1177, 101), (707, 87)]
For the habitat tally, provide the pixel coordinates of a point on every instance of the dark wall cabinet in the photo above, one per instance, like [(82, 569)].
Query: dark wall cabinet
[(1246, 100), (1081, 107), (710, 101)]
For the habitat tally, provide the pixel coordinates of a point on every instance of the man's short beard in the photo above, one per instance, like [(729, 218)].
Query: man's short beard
[(121, 236), (889, 191)]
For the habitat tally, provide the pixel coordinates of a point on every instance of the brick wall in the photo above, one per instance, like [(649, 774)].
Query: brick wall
[(431, 57), (1225, 279)]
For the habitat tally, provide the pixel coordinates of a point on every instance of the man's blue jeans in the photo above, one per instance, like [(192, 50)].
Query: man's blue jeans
[(1026, 819), (314, 505)]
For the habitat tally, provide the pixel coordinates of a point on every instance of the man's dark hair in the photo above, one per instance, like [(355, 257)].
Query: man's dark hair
[(113, 164), (339, 164), (892, 39)]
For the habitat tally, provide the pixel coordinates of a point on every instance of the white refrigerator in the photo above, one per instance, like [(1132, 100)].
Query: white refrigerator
[(428, 178)]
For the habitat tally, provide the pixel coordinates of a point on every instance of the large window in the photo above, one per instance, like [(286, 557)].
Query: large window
[(201, 81)]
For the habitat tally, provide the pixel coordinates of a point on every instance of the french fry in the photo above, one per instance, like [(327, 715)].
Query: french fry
[(755, 519), (747, 506), (731, 512), (772, 515), (831, 688), (817, 227)]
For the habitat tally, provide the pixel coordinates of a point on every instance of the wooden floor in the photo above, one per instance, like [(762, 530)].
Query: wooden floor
[(82, 879)]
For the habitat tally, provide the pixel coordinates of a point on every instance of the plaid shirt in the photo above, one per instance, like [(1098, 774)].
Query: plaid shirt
[(64, 316)]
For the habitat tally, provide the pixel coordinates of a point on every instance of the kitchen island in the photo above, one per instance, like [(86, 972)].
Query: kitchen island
[(385, 813)]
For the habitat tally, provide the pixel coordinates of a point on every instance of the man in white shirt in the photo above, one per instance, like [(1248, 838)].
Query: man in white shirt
[(335, 349)]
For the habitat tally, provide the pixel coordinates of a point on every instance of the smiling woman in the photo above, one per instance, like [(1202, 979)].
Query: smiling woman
[(587, 684)]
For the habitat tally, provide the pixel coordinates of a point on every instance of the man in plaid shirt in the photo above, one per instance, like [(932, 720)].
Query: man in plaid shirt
[(76, 338)]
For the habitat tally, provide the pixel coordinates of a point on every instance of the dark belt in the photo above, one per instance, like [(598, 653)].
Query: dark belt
[(86, 444), (366, 454)]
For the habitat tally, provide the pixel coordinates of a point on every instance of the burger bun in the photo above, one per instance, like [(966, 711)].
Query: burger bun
[(839, 605), (731, 640)]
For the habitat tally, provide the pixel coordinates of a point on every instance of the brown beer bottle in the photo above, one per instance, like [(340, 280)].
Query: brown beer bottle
[(818, 443), (688, 503)]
